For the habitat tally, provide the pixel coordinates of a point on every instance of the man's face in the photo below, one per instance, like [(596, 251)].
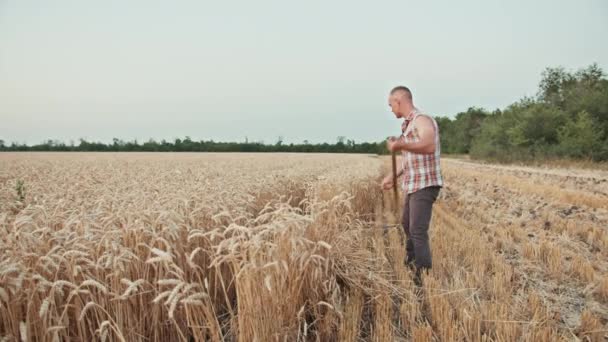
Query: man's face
[(395, 105)]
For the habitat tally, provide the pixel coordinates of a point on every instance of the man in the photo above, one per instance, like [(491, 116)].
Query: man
[(421, 170)]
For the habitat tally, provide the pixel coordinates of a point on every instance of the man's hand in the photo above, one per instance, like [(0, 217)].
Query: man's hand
[(393, 144), (387, 183)]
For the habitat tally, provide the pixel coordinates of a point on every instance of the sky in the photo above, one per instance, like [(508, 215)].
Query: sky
[(259, 70)]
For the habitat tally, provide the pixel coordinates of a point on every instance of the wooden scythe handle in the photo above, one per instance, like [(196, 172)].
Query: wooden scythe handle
[(396, 196)]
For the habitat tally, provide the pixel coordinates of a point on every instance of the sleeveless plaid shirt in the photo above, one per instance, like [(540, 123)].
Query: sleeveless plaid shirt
[(419, 170)]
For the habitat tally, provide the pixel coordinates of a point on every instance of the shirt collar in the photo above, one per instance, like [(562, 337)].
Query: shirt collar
[(410, 116)]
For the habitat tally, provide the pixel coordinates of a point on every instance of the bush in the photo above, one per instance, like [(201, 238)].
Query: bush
[(581, 137)]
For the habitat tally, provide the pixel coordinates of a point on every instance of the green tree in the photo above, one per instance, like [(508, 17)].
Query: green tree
[(535, 125), (466, 126), (584, 90), (582, 137), (554, 84)]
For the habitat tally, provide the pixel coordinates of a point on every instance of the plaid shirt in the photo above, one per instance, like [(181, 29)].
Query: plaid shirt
[(419, 170)]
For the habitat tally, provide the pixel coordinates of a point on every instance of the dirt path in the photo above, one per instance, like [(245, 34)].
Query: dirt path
[(591, 181)]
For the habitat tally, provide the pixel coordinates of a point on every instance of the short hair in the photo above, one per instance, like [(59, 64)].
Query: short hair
[(404, 89)]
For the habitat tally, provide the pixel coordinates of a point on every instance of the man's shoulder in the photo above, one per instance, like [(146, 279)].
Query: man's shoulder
[(423, 117)]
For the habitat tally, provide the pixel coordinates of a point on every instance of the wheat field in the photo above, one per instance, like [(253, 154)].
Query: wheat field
[(293, 247)]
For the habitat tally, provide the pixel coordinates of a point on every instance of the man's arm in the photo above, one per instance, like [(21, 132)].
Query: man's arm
[(426, 144)]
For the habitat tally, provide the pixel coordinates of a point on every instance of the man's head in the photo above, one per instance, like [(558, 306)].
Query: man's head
[(400, 101)]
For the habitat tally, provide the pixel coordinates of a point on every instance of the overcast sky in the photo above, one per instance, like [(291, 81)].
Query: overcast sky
[(315, 70)]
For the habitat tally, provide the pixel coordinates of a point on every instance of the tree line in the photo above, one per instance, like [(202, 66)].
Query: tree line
[(342, 145), (568, 118)]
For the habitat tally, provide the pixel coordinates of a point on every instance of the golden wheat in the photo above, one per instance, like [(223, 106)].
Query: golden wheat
[(302, 247)]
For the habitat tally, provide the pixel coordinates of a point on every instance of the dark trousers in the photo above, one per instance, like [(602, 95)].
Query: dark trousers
[(416, 219)]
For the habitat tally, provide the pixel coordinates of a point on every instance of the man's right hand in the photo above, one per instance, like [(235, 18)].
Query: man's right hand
[(387, 183)]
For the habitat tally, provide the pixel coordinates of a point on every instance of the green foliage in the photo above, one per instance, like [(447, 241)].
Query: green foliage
[(492, 137), (456, 136), (533, 124), (567, 118), (581, 137)]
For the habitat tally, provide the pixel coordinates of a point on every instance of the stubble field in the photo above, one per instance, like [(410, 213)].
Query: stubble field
[(293, 247)]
